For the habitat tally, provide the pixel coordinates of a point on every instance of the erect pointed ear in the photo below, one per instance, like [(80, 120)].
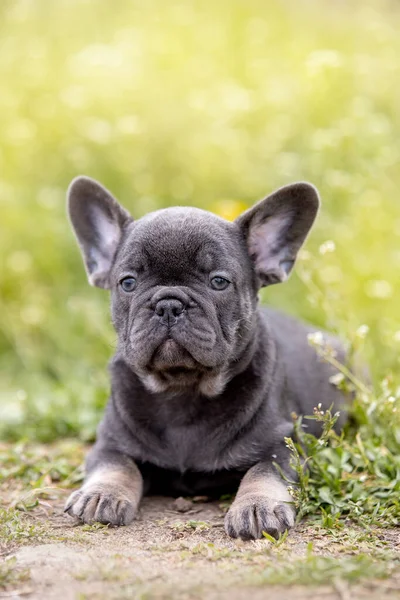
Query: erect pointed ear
[(276, 227), (98, 221)]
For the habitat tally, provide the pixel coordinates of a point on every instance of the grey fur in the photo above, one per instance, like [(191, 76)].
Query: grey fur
[(203, 381)]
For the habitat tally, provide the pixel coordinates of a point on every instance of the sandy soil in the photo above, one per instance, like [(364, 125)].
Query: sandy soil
[(166, 553)]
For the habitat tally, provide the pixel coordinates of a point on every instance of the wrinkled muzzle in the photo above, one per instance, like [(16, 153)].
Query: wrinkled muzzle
[(177, 342)]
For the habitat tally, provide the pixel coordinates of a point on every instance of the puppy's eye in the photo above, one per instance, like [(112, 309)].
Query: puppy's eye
[(219, 283), (128, 284)]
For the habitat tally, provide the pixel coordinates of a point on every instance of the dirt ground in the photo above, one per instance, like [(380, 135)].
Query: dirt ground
[(166, 553)]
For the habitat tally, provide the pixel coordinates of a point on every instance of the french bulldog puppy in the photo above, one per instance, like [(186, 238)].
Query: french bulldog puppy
[(204, 382)]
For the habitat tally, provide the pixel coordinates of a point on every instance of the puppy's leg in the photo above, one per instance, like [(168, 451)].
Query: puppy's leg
[(262, 503), (111, 492)]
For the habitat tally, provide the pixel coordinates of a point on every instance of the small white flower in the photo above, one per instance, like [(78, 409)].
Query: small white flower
[(362, 331), (316, 338), (336, 379), (328, 246)]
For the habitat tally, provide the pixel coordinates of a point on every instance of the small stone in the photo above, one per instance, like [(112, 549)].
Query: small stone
[(182, 505), (201, 499)]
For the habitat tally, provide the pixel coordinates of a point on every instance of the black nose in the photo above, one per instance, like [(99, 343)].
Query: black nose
[(169, 309)]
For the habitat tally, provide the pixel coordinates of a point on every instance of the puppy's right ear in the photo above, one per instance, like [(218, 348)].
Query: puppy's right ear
[(98, 222)]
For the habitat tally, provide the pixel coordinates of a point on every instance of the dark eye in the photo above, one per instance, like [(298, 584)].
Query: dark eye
[(128, 284), (219, 283)]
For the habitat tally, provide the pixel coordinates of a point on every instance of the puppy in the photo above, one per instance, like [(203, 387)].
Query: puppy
[(204, 382)]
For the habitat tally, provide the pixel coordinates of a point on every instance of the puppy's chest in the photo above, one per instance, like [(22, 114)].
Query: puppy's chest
[(184, 448), (199, 448)]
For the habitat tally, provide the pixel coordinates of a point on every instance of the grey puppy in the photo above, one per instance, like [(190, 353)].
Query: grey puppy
[(203, 381)]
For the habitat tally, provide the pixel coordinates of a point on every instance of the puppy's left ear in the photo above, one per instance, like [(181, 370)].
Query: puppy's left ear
[(276, 228)]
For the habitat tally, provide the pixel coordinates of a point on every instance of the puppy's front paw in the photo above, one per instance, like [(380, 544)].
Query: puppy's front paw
[(100, 504), (250, 515), (108, 497)]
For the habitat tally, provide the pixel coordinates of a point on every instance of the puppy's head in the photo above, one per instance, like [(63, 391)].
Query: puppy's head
[(184, 282)]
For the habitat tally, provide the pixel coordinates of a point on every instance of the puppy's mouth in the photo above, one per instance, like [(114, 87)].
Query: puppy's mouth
[(172, 356), (173, 363), (173, 369)]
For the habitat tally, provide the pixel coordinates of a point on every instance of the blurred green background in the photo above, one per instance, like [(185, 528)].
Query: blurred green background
[(203, 103)]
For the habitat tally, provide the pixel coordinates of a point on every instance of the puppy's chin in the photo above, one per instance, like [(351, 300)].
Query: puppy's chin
[(173, 370), (175, 384)]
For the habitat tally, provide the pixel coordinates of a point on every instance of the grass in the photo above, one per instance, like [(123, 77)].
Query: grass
[(10, 576), (253, 97), (15, 527), (355, 474), (320, 570), (190, 525), (38, 465)]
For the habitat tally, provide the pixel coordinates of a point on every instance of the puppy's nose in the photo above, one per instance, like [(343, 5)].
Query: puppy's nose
[(169, 309)]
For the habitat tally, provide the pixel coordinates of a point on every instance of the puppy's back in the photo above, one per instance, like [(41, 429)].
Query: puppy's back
[(307, 375)]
